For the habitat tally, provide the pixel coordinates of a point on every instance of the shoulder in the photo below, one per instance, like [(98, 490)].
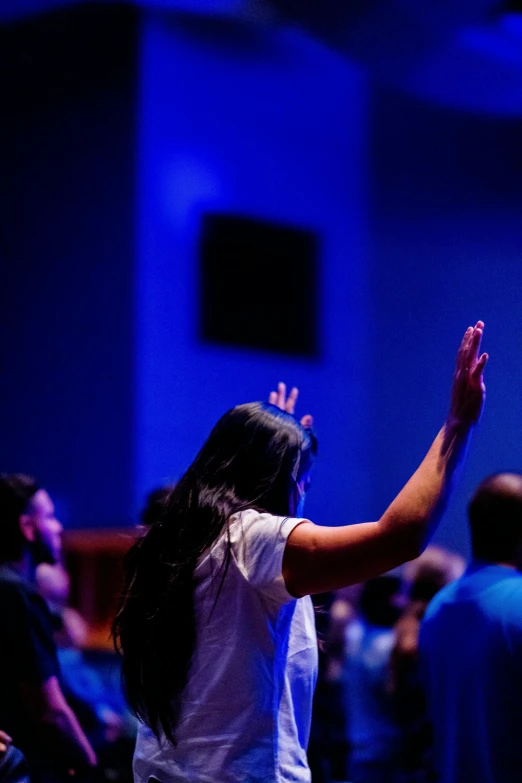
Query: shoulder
[(509, 597), (511, 587), (23, 606), (501, 596), (253, 524), (258, 541)]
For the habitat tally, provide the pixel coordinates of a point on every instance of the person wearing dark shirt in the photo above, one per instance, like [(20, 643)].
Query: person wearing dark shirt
[(471, 647), (33, 710)]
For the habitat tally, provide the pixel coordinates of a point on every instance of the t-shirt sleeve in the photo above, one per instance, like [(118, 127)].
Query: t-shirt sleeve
[(258, 544), (27, 637)]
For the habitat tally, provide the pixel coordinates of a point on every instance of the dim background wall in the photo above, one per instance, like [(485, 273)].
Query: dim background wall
[(67, 139), (446, 249), (105, 388), (269, 125)]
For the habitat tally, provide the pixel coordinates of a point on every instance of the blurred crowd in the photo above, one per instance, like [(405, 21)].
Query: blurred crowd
[(378, 699), (369, 720), (370, 723)]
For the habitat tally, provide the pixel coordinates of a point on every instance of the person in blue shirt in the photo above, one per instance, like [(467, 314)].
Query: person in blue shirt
[(471, 647)]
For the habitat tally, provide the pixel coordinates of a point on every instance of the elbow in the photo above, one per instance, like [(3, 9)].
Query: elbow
[(408, 541), (414, 548)]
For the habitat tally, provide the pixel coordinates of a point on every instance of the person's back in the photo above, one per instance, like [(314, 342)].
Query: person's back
[(471, 653), (248, 698), (258, 664)]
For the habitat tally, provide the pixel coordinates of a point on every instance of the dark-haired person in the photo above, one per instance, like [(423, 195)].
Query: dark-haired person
[(155, 505), (216, 625), (33, 709), (471, 647)]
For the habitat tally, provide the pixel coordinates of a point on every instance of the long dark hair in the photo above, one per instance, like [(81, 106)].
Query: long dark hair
[(251, 459)]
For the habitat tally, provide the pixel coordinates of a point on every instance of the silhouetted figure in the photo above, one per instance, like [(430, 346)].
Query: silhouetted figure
[(424, 577), (33, 709), (99, 705), (471, 647), (372, 730)]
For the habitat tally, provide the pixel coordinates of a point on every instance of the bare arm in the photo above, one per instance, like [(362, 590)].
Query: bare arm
[(66, 740), (318, 559)]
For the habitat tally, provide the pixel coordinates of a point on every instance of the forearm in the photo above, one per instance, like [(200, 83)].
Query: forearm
[(68, 737), (57, 724), (416, 511), (318, 559)]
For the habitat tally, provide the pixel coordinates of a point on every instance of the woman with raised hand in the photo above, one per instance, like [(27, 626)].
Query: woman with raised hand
[(216, 626)]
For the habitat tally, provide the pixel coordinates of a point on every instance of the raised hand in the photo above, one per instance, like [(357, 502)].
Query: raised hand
[(280, 399), (468, 392), (287, 403)]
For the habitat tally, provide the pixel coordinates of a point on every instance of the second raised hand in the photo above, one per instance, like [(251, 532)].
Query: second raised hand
[(287, 404), (280, 399)]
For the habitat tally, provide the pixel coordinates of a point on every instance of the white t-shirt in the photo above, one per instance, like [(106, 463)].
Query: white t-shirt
[(248, 701)]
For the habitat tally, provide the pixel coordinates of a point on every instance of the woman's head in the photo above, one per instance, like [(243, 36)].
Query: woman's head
[(257, 456)]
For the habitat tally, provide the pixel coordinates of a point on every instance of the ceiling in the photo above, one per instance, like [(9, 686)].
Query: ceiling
[(466, 55)]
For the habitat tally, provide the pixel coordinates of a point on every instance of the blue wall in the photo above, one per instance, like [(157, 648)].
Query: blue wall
[(446, 250), (417, 207), (67, 141), (105, 387), (266, 124)]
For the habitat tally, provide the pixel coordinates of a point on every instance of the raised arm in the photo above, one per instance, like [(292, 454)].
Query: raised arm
[(318, 559)]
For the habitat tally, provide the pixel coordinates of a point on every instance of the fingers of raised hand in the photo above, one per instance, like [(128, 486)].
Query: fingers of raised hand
[(474, 345), (469, 349), (291, 401), (280, 399), (468, 391), (463, 350), (281, 395), (479, 368)]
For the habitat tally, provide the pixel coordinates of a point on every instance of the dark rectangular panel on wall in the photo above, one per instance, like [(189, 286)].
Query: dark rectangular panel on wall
[(259, 285), (67, 199)]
